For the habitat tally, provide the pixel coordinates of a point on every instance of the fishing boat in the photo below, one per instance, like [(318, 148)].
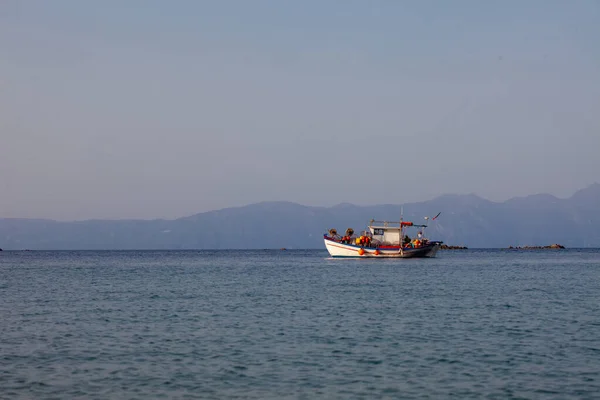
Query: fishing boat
[(382, 239)]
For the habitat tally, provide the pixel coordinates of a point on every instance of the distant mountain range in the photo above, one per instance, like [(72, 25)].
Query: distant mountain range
[(466, 220)]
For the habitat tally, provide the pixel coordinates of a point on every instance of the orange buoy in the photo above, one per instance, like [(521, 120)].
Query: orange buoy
[(361, 252), (376, 252)]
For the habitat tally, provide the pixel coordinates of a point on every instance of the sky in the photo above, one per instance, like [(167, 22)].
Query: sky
[(163, 109)]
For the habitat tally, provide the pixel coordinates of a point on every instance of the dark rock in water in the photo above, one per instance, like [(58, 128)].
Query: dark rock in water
[(552, 246), (0, 249), (446, 247)]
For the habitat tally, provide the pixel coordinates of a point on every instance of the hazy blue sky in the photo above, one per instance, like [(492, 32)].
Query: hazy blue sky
[(143, 109)]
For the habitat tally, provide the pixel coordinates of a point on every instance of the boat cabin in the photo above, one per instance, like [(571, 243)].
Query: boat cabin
[(389, 233)]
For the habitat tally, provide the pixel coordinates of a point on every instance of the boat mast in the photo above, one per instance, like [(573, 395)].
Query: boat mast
[(401, 241)]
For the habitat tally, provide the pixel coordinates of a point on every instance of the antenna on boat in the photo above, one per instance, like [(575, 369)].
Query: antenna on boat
[(402, 213)]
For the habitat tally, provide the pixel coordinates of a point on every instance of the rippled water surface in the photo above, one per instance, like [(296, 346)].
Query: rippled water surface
[(296, 324)]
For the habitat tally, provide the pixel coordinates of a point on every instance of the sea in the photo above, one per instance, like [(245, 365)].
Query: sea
[(297, 324)]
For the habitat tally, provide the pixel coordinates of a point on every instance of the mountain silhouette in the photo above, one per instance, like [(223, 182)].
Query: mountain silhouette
[(467, 220)]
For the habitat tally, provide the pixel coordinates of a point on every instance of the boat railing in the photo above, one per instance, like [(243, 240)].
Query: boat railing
[(385, 224), (393, 224)]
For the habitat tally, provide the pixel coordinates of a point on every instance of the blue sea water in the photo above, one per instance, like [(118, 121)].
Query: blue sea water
[(494, 324)]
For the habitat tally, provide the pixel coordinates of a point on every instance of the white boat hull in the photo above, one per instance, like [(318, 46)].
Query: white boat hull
[(337, 249)]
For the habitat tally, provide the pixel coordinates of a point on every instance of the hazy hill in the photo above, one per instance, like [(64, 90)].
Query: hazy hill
[(465, 220)]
